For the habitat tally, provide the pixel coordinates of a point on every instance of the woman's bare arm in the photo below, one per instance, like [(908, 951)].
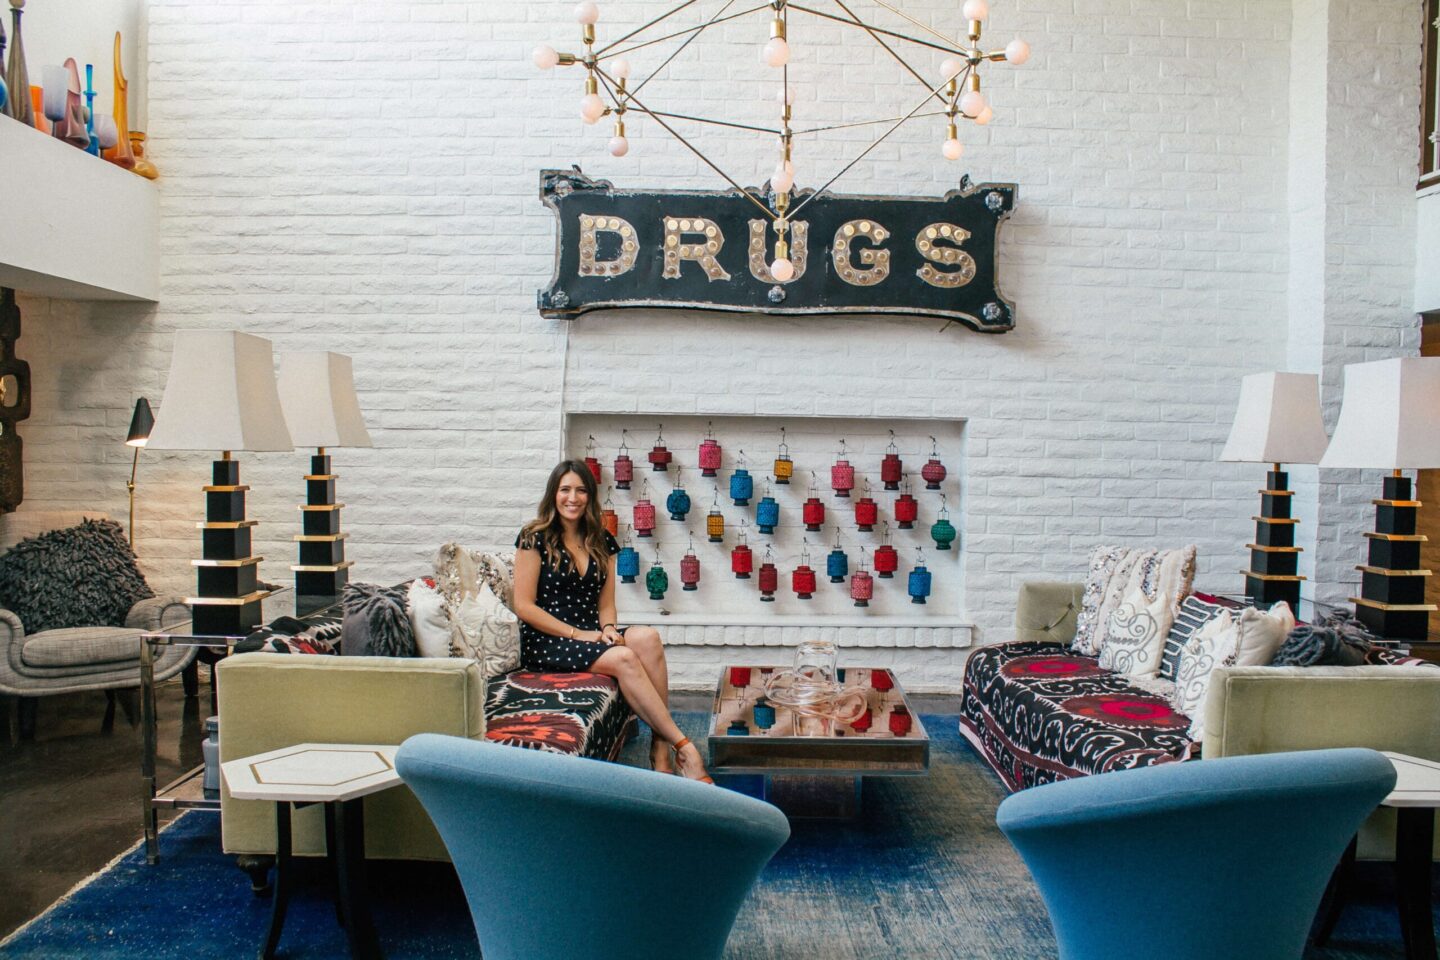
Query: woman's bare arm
[(527, 581)]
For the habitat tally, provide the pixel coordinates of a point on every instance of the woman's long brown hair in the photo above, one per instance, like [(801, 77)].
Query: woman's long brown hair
[(549, 530)]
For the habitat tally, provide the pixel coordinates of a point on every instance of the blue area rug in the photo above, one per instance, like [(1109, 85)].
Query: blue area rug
[(923, 873)]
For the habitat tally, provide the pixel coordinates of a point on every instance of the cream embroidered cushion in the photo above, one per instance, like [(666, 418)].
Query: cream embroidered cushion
[(1211, 647), (1260, 633), (1115, 572), (486, 631), (1136, 635), (429, 619)]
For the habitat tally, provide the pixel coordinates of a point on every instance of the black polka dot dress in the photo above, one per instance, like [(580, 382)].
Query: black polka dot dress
[(567, 596)]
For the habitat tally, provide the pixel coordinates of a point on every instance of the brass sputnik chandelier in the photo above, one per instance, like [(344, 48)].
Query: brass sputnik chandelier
[(957, 96)]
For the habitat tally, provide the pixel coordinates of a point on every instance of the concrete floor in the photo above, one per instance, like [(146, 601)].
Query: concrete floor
[(70, 800)]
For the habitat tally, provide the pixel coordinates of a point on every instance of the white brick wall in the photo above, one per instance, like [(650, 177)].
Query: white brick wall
[(362, 177)]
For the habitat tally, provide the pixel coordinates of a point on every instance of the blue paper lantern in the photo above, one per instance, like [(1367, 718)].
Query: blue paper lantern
[(742, 487), (837, 565), (678, 503), (767, 515), (764, 714), (919, 584), (627, 564)]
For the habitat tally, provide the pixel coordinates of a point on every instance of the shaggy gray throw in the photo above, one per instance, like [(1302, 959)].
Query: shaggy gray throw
[(376, 622), (81, 576)]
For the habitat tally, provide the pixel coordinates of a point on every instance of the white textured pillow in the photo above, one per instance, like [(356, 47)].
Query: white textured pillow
[(1135, 637), (1213, 646), (486, 631), (428, 620), (1114, 573), (1260, 634)]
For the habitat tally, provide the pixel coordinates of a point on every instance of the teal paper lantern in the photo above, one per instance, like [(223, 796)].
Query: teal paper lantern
[(943, 531), (837, 565), (678, 503), (627, 564), (657, 581)]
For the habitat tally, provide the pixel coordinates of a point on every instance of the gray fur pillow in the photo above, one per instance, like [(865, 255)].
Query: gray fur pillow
[(376, 622), (80, 576)]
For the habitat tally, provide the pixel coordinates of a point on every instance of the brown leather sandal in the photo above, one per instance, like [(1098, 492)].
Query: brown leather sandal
[(681, 744)]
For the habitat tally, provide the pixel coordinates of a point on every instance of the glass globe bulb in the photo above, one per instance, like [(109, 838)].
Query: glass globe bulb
[(984, 116), (781, 180), (587, 13), (776, 52), (973, 103), (952, 149), (592, 108), (785, 96), (621, 69), (975, 9), (951, 67), (782, 270), (619, 146), (545, 57), (1017, 51)]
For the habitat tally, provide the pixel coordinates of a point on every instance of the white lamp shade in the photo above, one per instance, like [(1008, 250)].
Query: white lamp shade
[(220, 395), (1389, 416), (317, 391), (1277, 420)]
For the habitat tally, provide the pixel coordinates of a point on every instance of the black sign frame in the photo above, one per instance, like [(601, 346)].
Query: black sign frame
[(910, 234)]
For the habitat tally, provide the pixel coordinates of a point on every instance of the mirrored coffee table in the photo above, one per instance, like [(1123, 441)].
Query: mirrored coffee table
[(806, 771)]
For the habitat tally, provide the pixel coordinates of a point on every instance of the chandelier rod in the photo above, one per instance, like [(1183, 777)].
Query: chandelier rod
[(864, 153), (689, 146), (641, 29), (905, 16), (679, 33), (898, 59), (666, 62), (863, 123), (718, 123), (889, 33)]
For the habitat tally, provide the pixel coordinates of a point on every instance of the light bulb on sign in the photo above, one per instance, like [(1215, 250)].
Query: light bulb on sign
[(545, 57), (1017, 51), (975, 9), (592, 108), (587, 14), (776, 52), (952, 149), (973, 103), (782, 269)]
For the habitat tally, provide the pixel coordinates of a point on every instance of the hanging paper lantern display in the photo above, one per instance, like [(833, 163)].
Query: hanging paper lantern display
[(907, 508), (943, 532), (769, 578), (862, 722), (803, 579), (934, 471), (881, 680), (784, 466), (842, 475), (644, 513), (900, 720), (813, 513), (837, 565), (610, 518), (739, 677), (659, 457), (887, 561), (627, 562), (657, 581), (715, 520), (891, 469), (678, 503), (767, 512), (764, 714), (919, 586), (742, 487), (709, 453), (862, 585), (590, 460), (867, 512), (690, 568), (624, 466), (742, 561)]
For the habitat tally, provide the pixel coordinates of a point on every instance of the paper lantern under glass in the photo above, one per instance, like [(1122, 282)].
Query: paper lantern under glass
[(784, 466), (659, 456), (891, 469), (842, 475), (710, 454), (862, 722), (624, 467), (900, 720)]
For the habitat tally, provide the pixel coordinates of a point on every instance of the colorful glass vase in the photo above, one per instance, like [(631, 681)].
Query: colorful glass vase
[(657, 581), (709, 454), (891, 469), (767, 514), (659, 456), (842, 475), (934, 471), (624, 467), (784, 466)]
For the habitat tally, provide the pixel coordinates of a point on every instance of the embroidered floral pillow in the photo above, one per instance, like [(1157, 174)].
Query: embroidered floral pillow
[(486, 631), (1135, 638), (1213, 646)]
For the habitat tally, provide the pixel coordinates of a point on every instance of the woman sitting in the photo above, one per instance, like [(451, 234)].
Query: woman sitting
[(565, 599)]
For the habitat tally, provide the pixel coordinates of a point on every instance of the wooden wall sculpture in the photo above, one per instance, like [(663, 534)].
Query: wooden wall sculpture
[(14, 403)]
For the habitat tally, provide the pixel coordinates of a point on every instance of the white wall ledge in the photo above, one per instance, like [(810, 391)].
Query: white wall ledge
[(73, 226)]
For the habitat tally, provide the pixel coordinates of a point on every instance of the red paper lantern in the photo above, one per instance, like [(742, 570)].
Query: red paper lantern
[(881, 680), (907, 508), (624, 467), (769, 579), (867, 512), (842, 475), (891, 469), (690, 569), (659, 457), (813, 512), (862, 585), (740, 677), (610, 518), (644, 514), (934, 471), (802, 581), (887, 559), (742, 561), (590, 460), (862, 723), (900, 721), (709, 454)]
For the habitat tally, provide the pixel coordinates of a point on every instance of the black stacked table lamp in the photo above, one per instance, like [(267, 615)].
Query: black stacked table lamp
[(317, 391), (1388, 420), (1277, 421), (221, 395)]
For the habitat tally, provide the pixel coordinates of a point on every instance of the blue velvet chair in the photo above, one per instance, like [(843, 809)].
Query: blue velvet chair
[(573, 859), (1194, 861)]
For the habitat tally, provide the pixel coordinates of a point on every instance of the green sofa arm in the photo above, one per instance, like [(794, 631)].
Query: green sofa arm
[(271, 700), (1046, 611), (1273, 709)]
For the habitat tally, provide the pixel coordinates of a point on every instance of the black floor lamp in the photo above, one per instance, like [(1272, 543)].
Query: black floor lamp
[(142, 421)]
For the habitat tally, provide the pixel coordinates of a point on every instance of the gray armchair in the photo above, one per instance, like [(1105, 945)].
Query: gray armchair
[(73, 659)]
